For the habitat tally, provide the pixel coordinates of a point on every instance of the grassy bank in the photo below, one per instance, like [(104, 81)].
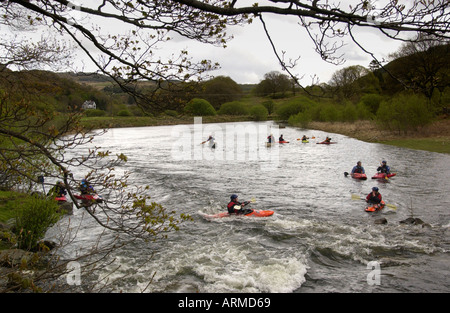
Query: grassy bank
[(139, 121), (435, 137)]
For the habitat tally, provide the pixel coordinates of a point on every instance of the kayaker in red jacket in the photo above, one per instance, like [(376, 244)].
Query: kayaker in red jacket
[(374, 196), (236, 207)]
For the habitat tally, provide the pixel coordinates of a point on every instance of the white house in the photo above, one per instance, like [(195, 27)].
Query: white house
[(89, 104)]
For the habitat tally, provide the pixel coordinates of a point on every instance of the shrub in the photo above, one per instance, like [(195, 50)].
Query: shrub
[(363, 112), (34, 216), (172, 113), (294, 107), (199, 107), (329, 113), (259, 112), (269, 105), (124, 113), (349, 113), (404, 112), (372, 102), (94, 112), (301, 119), (233, 108)]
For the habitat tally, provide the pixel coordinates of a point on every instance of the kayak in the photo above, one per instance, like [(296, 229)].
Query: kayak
[(305, 141), (61, 198), (325, 143), (283, 141), (375, 207), (359, 176), (268, 144), (254, 213), (383, 175), (88, 197)]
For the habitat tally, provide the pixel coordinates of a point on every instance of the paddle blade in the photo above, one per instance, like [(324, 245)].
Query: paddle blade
[(356, 197), (391, 206)]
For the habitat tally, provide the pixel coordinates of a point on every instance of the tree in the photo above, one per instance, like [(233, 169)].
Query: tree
[(344, 82), (423, 66), (33, 140), (221, 89), (274, 83)]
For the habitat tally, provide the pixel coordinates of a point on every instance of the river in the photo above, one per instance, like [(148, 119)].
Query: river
[(318, 240)]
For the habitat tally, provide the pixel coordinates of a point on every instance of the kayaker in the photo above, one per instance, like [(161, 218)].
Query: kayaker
[(304, 138), (358, 168), (384, 168), (374, 196), (58, 190), (270, 138), (281, 139), (236, 207), (375, 199), (211, 140), (327, 140), (85, 187)]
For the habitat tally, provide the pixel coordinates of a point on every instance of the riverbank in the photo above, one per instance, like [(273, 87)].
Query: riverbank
[(434, 137), (141, 121)]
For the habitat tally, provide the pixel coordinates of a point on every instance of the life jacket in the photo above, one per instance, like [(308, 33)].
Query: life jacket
[(231, 208), (384, 169), (374, 199)]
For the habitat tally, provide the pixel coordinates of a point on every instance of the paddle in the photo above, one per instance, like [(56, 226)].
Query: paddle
[(253, 200), (391, 206)]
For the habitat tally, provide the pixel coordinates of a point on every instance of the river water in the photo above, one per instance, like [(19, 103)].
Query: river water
[(318, 240)]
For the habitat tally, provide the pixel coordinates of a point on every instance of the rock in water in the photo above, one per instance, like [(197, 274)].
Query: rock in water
[(380, 221)]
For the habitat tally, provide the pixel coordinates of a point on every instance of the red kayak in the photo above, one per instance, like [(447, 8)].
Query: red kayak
[(284, 141), (376, 207), (254, 213), (325, 143), (89, 197), (383, 175), (61, 198), (359, 176)]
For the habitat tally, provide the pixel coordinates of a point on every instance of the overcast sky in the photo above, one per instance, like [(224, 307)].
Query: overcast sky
[(249, 55)]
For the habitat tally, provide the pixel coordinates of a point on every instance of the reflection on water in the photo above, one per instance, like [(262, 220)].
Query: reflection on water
[(318, 240)]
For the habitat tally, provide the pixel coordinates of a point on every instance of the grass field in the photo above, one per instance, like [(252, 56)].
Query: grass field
[(440, 144)]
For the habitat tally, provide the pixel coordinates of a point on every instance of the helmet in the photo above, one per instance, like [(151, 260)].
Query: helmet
[(384, 162), (375, 188), (233, 196)]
